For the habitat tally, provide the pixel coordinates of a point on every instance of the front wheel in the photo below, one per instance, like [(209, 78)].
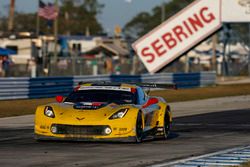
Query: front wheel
[(139, 128), (167, 125)]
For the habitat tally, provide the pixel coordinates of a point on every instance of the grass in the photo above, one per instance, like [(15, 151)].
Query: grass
[(204, 93), (24, 107), (245, 164), (21, 107)]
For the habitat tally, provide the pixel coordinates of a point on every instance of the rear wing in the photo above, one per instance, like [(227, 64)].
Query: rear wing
[(143, 85), (157, 85)]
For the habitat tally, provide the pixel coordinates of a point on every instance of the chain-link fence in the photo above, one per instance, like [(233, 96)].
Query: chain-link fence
[(236, 64), (68, 66), (82, 66)]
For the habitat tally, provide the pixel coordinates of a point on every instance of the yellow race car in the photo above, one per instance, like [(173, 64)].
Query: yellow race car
[(105, 111)]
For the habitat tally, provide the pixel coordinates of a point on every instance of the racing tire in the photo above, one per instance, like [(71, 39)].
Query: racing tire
[(167, 125), (139, 128)]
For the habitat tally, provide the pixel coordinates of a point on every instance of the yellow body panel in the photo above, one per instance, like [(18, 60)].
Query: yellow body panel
[(66, 115)]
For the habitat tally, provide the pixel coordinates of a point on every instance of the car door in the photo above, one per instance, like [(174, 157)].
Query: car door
[(150, 111)]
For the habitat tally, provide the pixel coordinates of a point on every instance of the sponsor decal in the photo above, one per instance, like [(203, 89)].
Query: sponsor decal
[(80, 119), (123, 129), (104, 88)]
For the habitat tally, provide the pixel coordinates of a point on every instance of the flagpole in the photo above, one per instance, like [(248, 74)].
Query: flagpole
[(163, 12), (56, 32), (37, 21), (11, 16)]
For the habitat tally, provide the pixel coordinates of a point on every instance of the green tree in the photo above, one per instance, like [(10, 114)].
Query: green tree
[(25, 22), (79, 16), (146, 21), (241, 30), (75, 17), (22, 22)]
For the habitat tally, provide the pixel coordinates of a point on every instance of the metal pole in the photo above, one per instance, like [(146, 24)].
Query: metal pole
[(187, 67), (214, 58), (224, 58), (74, 63), (11, 15), (37, 22), (56, 32), (225, 41), (163, 12), (249, 52)]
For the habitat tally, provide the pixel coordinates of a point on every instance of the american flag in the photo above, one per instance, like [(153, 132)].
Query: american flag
[(47, 11)]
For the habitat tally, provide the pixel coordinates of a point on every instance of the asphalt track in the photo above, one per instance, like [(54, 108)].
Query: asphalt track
[(191, 136)]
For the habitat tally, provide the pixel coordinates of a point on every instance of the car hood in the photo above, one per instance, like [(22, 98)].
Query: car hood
[(67, 113)]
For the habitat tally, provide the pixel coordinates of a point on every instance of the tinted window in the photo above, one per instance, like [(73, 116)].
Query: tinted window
[(109, 96), (12, 47)]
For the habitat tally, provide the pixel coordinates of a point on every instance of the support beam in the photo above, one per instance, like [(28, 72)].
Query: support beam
[(249, 51), (187, 65), (37, 22), (214, 58), (56, 33), (163, 12), (225, 44), (11, 16)]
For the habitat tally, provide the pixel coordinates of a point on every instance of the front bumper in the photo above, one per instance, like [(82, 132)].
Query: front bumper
[(89, 130), (84, 132), (84, 139)]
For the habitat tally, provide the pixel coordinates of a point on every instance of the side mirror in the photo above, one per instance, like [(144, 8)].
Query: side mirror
[(150, 102), (59, 99)]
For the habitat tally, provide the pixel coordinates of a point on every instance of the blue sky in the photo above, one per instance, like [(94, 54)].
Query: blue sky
[(116, 12)]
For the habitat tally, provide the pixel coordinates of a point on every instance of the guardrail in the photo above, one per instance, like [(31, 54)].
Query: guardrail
[(27, 88)]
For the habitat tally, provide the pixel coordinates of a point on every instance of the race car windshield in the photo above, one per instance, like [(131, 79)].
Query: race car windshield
[(106, 96)]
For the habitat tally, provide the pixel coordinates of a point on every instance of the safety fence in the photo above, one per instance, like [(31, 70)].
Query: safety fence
[(28, 88)]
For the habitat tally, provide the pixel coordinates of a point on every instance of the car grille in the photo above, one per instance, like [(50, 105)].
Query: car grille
[(80, 129)]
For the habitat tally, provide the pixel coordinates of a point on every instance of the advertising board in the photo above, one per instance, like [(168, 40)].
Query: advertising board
[(179, 34)]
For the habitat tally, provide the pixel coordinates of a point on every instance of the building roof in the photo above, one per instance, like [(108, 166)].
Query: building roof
[(79, 37), (113, 48)]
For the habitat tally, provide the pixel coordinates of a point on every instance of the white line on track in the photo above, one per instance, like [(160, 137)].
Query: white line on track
[(229, 157)]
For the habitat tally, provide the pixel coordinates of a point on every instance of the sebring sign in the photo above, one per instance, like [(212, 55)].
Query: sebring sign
[(179, 34)]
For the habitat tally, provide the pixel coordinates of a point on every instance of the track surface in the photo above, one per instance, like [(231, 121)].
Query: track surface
[(191, 136)]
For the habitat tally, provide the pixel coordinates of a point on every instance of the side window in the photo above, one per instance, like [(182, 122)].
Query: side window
[(13, 47), (77, 47), (142, 98)]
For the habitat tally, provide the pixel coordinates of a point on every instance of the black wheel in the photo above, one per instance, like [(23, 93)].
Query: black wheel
[(139, 128), (167, 125)]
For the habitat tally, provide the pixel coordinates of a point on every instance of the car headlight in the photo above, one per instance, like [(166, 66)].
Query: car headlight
[(119, 114), (48, 111)]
